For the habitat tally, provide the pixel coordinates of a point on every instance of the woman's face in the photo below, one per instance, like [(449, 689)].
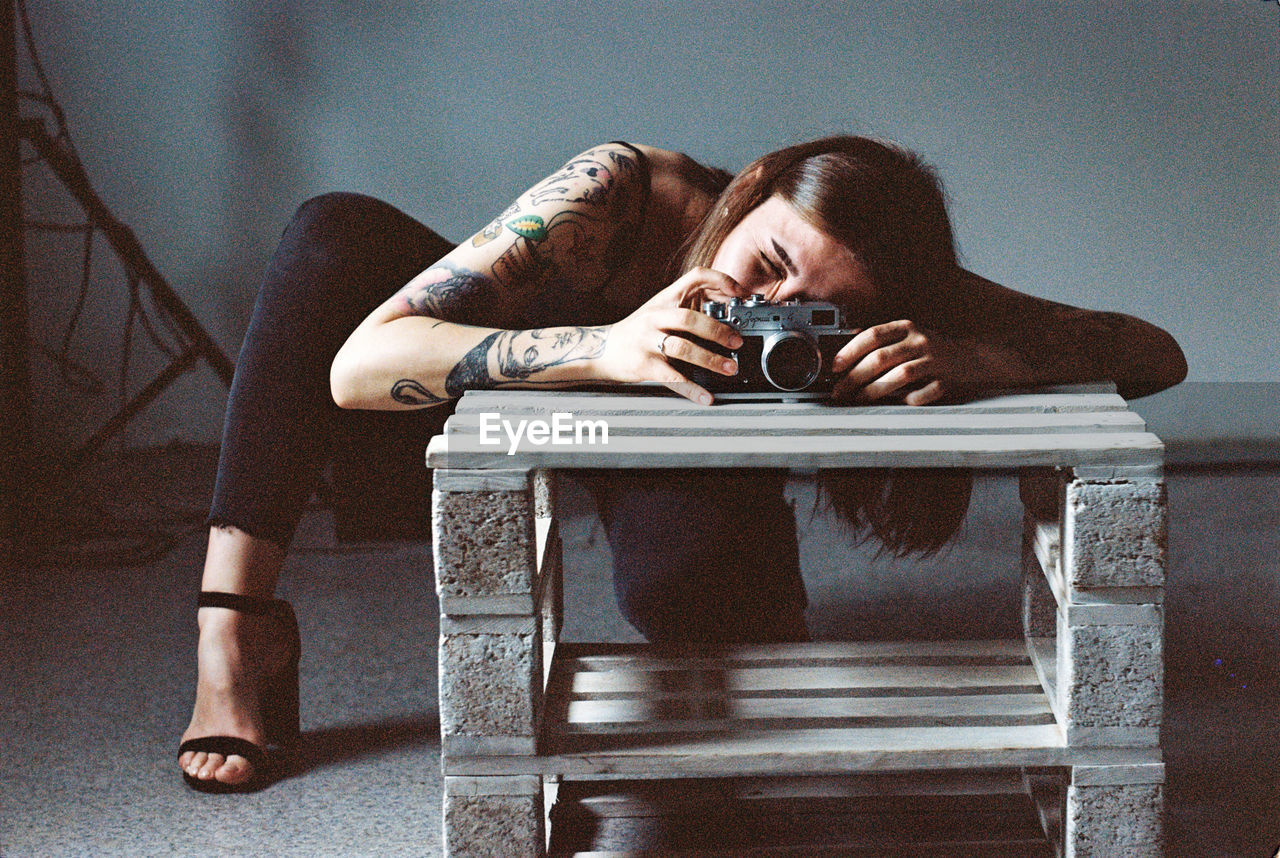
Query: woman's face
[(775, 252)]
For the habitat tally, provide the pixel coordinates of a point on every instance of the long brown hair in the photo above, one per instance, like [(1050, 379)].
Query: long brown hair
[(888, 207)]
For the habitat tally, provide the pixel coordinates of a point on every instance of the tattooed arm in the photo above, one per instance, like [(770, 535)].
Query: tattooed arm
[(551, 254)]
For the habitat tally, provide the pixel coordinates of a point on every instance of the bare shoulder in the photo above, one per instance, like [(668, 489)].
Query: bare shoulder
[(679, 181), (682, 191)]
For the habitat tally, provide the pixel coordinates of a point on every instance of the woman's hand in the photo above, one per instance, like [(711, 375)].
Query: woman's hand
[(638, 347), (903, 361)]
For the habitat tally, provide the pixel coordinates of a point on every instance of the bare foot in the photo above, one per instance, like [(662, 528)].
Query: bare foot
[(236, 652)]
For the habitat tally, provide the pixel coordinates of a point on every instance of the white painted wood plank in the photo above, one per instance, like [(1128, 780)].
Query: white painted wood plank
[(1102, 606), (722, 713), (977, 849), (497, 785), (1119, 473), (544, 402), (519, 604), (505, 480), (919, 421), (548, 661), (1114, 615), (638, 796), (461, 745), (1047, 545), (1152, 773), (811, 742), (508, 624), (972, 451), (839, 752), (639, 655), (1044, 658), (777, 679), (1113, 737), (546, 532)]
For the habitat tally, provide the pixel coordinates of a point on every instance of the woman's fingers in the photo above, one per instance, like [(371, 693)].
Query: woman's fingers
[(910, 374), (690, 391), (931, 392), (665, 329), (688, 336), (675, 347), (657, 368), (855, 354), (695, 285), (691, 323), (896, 358)]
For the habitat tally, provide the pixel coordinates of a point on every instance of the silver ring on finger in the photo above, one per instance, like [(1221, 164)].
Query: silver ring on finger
[(662, 345)]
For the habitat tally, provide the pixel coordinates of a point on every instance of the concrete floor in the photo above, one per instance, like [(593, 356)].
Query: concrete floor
[(97, 667)]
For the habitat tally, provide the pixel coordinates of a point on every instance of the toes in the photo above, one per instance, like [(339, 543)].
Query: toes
[(209, 766), (236, 770), (192, 761), (232, 769)]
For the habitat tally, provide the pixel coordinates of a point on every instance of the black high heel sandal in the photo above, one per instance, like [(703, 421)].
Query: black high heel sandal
[(279, 701)]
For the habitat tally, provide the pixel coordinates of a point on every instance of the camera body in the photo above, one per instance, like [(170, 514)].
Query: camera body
[(787, 349)]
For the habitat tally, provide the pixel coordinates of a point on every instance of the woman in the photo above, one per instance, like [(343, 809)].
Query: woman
[(590, 276)]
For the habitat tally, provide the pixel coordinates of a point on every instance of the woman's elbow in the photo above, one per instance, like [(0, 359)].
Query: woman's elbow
[(344, 384), (1165, 367), (1170, 364)]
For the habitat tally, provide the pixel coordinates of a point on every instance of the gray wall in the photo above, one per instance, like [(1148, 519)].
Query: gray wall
[(1116, 155)]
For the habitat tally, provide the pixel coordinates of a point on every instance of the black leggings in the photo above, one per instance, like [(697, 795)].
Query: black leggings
[(692, 562)]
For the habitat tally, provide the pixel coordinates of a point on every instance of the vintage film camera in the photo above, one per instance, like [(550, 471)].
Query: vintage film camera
[(786, 353)]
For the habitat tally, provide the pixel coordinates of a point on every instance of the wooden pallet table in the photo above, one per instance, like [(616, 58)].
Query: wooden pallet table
[(1072, 710)]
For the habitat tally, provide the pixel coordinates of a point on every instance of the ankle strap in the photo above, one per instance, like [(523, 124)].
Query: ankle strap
[(236, 602)]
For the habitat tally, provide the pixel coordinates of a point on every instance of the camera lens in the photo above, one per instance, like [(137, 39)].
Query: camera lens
[(791, 360)]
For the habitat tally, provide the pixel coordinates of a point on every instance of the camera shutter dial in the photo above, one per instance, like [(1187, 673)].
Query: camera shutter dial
[(791, 360)]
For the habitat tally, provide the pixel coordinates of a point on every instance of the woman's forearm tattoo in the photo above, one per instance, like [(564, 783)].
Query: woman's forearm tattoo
[(409, 392), (519, 355)]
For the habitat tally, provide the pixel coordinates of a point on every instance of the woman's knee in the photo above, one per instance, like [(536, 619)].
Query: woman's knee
[(345, 253), (337, 212)]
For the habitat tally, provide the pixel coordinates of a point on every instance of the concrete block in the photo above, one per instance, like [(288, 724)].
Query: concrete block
[(1114, 820), (491, 684), (484, 542), (504, 819), (1111, 676), (1114, 534)]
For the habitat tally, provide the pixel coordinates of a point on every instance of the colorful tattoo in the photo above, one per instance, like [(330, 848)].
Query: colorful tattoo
[(572, 252), (580, 249), (592, 178), (529, 226), (494, 229), (451, 293), (537, 266)]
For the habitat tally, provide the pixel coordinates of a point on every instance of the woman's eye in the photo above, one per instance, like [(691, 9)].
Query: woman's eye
[(772, 267)]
